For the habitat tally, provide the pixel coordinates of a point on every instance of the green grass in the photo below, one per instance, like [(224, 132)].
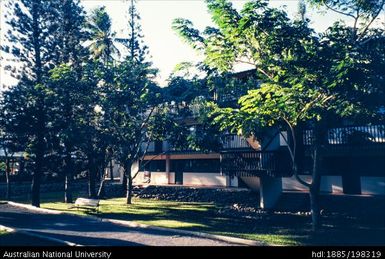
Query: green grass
[(3, 232), (287, 229)]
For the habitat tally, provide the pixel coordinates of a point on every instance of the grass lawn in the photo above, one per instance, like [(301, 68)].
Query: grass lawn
[(3, 232), (277, 229), (180, 215)]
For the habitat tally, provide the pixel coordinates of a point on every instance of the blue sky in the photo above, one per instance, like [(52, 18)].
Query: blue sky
[(166, 48)]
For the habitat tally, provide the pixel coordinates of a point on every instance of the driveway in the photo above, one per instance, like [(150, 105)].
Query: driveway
[(89, 231)]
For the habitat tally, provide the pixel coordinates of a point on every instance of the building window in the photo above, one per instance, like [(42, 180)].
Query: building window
[(196, 165), (153, 166)]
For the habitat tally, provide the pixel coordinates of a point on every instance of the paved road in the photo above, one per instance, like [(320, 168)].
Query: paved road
[(94, 232)]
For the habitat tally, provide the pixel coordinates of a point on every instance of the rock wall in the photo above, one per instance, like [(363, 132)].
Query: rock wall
[(191, 194)]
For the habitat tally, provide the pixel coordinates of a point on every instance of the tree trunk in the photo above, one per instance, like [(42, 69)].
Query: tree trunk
[(7, 173), (67, 188), (101, 192), (124, 181), (92, 172), (36, 180), (40, 127), (111, 171), (300, 148), (91, 184), (127, 172), (35, 189), (315, 209), (129, 189), (68, 176), (314, 191)]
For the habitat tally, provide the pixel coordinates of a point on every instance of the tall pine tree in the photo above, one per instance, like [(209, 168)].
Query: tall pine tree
[(137, 49), (33, 23), (131, 101)]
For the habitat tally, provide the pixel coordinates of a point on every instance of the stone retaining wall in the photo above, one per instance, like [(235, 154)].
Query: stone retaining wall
[(190, 194)]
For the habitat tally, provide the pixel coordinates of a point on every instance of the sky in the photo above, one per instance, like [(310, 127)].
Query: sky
[(166, 48)]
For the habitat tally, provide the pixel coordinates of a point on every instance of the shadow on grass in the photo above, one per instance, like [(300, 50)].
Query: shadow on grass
[(341, 226), (346, 220)]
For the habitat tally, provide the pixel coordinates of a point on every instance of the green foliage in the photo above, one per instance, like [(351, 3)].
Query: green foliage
[(185, 29), (2, 167), (271, 105), (350, 7), (130, 99), (187, 100), (135, 43), (71, 33), (204, 136), (32, 25), (363, 12), (302, 75), (102, 37), (73, 101), (301, 11)]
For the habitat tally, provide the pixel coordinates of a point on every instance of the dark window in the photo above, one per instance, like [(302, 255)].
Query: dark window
[(158, 146), (196, 165), (153, 166)]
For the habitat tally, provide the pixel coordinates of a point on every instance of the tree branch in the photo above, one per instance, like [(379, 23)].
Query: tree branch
[(372, 20), (153, 158), (300, 180), (292, 154), (337, 11), (256, 67), (138, 145), (355, 23)]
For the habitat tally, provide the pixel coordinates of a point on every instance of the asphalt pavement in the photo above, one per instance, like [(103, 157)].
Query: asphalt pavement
[(89, 231)]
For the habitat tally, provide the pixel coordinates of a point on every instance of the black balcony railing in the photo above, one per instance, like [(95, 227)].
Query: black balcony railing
[(255, 163), (350, 135), (231, 141)]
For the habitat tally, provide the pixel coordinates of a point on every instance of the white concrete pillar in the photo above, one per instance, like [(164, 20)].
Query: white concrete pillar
[(270, 191)]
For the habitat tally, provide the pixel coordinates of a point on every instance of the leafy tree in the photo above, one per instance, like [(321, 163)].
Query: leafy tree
[(97, 142), (130, 103), (137, 50), (32, 23), (129, 109), (98, 147), (69, 93), (71, 33), (186, 100), (303, 77), (73, 104), (301, 15), (364, 13), (8, 146)]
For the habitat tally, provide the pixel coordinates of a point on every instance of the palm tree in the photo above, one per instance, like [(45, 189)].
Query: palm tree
[(102, 38)]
